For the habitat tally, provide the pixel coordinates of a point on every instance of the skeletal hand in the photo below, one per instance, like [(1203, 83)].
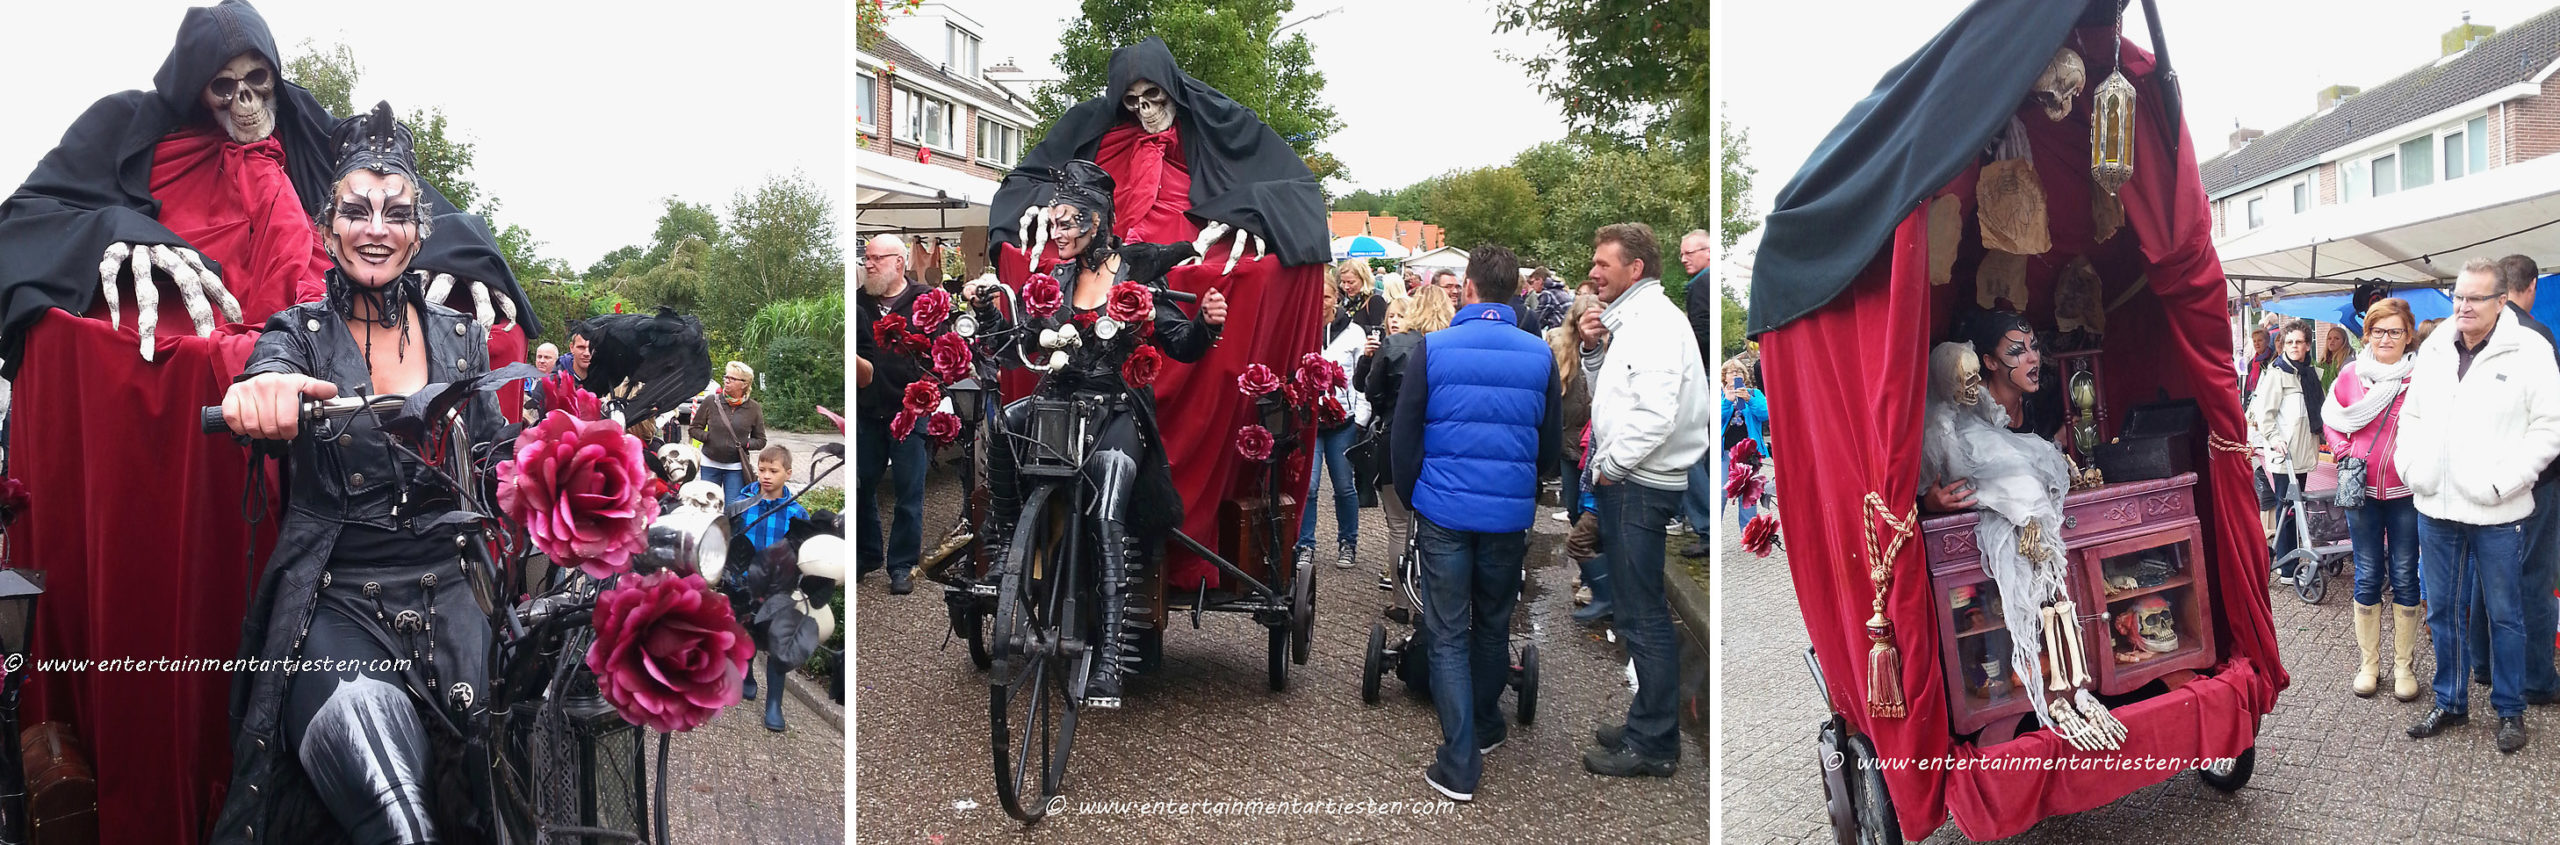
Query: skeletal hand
[(198, 287), (1209, 236), (440, 285), (1034, 230), (1237, 245)]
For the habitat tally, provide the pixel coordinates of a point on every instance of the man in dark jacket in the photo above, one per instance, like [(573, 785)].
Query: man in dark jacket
[(1697, 506), (2518, 274), (1475, 428), (886, 289)]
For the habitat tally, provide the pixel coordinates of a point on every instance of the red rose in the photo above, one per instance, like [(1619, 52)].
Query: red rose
[(930, 309), (1257, 380), (1303, 394), (1744, 483), (922, 396), (951, 357), (577, 486), (1325, 375), (1131, 302), (1254, 442), (889, 328), (916, 344), (1084, 321), (943, 428), (561, 393), (668, 654), (1746, 452), (1761, 535), (902, 425), (1041, 295), (1329, 411), (1140, 370)]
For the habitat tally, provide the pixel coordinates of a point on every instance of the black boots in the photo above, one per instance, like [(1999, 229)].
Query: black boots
[(2510, 734), (1115, 476), (2437, 719)]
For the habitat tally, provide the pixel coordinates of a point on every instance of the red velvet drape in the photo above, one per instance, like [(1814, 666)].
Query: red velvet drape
[(1848, 382)]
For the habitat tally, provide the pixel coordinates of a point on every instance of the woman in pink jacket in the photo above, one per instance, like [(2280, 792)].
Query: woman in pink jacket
[(2363, 421)]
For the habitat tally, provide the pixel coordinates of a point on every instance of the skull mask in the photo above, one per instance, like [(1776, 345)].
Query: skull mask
[(1150, 103), (2060, 84), (2159, 630), (700, 495), (242, 99), (682, 463), (1955, 373)]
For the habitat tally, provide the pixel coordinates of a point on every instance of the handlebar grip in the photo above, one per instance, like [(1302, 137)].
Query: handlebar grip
[(211, 419), (1177, 296)]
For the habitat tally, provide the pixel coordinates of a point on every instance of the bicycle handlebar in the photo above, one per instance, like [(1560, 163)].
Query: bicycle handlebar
[(211, 422)]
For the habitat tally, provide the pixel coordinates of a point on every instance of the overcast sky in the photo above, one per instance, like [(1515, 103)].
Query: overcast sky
[(584, 115), (2257, 62), (1418, 87)]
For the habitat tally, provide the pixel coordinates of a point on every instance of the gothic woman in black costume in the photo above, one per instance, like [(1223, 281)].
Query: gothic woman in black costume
[(365, 570), (1135, 502)]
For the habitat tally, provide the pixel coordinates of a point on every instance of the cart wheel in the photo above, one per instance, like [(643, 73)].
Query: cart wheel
[(1836, 801), (1373, 663), (1868, 799), (1527, 683), (1031, 713), (1302, 612), (971, 625), (2231, 776), (1279, 658), (2309, 581)]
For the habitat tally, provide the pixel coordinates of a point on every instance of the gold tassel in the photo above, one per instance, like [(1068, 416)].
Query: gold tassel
[(1884, 670)]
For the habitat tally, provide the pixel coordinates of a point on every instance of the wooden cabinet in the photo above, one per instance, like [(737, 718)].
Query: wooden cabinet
[(2142, 534)]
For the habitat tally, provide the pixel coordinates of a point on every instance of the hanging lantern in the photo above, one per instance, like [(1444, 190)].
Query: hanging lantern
[(2111, 122)]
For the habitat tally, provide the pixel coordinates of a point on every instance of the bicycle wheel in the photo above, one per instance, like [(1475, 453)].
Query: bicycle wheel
[(1028, 709)]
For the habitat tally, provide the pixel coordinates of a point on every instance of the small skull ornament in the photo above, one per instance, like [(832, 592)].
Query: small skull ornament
[(2060, 83), (2157, 624), (700, 495), (683, 463), (1152, 105), (1955, 372), (241, 98)]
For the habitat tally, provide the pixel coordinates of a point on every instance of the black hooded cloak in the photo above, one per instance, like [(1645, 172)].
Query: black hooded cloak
[(1242, 173), (94, 188)]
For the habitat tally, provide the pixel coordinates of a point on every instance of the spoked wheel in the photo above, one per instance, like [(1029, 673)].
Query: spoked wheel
[(1030, 708), (1373, 664), (971, 626), (2230, 776), (1525, 682), (1302, 612)]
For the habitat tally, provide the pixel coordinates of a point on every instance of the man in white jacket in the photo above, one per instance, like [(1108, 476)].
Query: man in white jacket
[(1652, 415), (2481, 420)]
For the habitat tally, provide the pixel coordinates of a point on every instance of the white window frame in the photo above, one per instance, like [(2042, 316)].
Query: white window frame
[(870, 102), (2435, 167), (2253, 215), (962, 62), (952, 125), (2310, 198), (1004, 129), (2372, 175)]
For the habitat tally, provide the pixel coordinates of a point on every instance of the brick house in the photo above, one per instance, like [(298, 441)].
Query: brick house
[(934, 134), (2388, 184)]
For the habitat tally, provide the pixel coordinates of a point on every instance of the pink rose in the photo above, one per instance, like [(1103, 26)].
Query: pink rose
[(1257, 380), (902, 425), (1761, 535), (668, 653), (930, 309), (1131, 302), (580, 489), (1254, 442), (1141, 368), (943, 428), (1041, 295), (1329, 411), (951, 357), (922, 397), (564, 395), (1323, 374)]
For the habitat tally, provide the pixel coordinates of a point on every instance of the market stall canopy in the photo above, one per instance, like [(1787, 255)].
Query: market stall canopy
[(2424, 304), (1449, 257), (905, 197), (1901, 144), (1365, 246), (2418, 236)]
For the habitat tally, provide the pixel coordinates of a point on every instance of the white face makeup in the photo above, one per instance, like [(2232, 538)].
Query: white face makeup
[(2020, 360), (242, 98), (1070, 230), (1150, 103), (373, 227)]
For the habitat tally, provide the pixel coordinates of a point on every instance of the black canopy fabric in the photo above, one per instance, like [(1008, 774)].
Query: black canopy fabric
[(94, 188), (1926, 120), (1242, 172)]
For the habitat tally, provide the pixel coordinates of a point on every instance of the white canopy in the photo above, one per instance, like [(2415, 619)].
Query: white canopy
[(2419, 236)]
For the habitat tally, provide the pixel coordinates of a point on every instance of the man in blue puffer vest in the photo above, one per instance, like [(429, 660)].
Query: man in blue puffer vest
[(1476, 426)]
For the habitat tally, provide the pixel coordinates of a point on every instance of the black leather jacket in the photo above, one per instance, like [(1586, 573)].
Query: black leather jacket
[(352, 477)]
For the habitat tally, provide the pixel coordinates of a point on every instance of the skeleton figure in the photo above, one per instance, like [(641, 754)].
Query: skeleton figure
[(2060, 83), (1150, 104), (241, 98), (2018, 484)]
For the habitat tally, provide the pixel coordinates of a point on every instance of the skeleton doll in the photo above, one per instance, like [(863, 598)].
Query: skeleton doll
[(2018, 484)]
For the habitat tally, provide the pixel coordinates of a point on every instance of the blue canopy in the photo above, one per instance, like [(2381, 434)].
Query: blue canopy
[(2424, 304)]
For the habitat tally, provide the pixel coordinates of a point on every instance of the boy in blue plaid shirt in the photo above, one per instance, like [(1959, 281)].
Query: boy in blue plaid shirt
[(773, 467)]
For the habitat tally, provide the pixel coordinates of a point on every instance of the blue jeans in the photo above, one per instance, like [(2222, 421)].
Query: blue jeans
[(2385, 531), (1469, 583), (2541, 610), (2460, 559), (1631, 518), (1698, 504), (904, 461), (1333, 453)]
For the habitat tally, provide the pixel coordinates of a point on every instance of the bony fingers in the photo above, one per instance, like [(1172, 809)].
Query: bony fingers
[(439, 286), (109, 267)]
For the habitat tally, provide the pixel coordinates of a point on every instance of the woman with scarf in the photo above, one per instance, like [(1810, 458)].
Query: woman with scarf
[(2363, 421), (2283, 417), (732, 428), (367, 571)]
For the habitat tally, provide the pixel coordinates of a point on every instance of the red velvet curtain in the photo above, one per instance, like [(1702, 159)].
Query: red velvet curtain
[(1848, 381)]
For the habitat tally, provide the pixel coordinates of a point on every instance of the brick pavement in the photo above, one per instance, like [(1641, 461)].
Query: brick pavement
[(2330, 767), (733, 781), (1207, 728)]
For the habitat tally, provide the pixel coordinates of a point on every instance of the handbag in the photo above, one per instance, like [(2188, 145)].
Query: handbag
[(2351, 490)]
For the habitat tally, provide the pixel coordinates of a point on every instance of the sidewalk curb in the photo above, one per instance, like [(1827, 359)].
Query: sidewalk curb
[(1688, 601), (810, 694)]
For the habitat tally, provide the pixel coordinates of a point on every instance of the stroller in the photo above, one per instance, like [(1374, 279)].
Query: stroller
[(1410, 659), (2321, 547)]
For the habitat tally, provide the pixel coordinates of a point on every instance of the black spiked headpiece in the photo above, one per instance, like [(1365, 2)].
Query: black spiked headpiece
[(375, 141)]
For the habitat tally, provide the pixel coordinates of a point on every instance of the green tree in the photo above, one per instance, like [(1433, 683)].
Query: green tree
[(613, 262), (780, 245), (1623, 64), (1235, 46), (1655, 187), (1373, 202), (1737, 218), (330, 74), (680, 222), (442, 160), (683, 281), (1486, 205), (1733, 316)]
